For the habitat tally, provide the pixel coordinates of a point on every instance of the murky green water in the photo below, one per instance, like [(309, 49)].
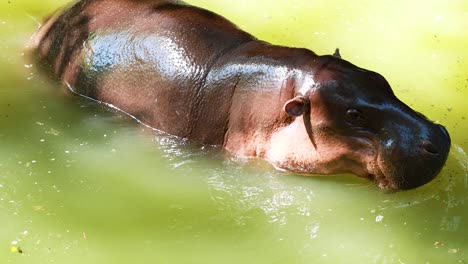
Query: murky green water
[(80, 184)]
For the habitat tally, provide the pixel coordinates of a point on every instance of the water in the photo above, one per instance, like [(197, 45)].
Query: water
[(80, 183)]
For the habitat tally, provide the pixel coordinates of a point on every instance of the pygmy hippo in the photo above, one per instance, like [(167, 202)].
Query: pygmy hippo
[(194, 74)]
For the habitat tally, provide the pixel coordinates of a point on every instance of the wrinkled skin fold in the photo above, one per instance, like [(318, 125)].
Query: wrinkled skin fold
[(192, 73)]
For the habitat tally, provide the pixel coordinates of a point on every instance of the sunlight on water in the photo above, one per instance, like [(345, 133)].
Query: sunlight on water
[(82, 183)]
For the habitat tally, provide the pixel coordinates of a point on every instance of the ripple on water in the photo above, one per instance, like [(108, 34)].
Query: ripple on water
[(280, 203)]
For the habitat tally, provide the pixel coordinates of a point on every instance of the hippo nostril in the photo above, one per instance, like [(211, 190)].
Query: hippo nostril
[(429, 147)]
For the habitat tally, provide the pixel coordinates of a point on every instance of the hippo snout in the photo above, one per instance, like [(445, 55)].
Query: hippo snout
[(428, 161), (439, 144)]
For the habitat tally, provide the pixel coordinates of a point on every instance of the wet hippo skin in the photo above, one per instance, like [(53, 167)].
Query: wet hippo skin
[(192, 73)]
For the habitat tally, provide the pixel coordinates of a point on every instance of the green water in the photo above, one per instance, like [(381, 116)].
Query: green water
[(81, 184)]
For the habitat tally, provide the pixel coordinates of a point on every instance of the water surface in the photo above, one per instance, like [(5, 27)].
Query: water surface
[(80, 183)]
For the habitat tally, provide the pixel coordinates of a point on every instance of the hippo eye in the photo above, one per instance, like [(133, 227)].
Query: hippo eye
[(355, 117)]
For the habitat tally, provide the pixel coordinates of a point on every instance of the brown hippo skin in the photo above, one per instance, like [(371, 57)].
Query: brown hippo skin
[(191, 73)]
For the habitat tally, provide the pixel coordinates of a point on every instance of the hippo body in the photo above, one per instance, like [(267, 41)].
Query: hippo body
[(191, 73)]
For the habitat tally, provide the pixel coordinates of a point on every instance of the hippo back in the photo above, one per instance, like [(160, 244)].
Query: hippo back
[(148, 58)]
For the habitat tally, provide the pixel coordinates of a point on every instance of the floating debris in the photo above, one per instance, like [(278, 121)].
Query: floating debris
[(53, 132), (14, 246), (439, 244)]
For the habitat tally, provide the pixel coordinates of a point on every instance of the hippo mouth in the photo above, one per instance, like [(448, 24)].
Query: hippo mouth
[(384, 182)]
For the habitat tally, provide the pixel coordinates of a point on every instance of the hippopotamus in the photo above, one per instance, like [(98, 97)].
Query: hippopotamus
[(194, 74)]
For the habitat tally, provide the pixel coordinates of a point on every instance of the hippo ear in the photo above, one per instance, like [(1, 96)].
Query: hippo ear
[(337, 53), (297, 106)]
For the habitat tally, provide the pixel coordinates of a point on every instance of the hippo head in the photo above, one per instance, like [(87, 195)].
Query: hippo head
[(357, 125)]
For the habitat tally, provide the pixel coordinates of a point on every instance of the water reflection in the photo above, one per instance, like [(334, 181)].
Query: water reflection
[(281, 203), (242, 189)]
